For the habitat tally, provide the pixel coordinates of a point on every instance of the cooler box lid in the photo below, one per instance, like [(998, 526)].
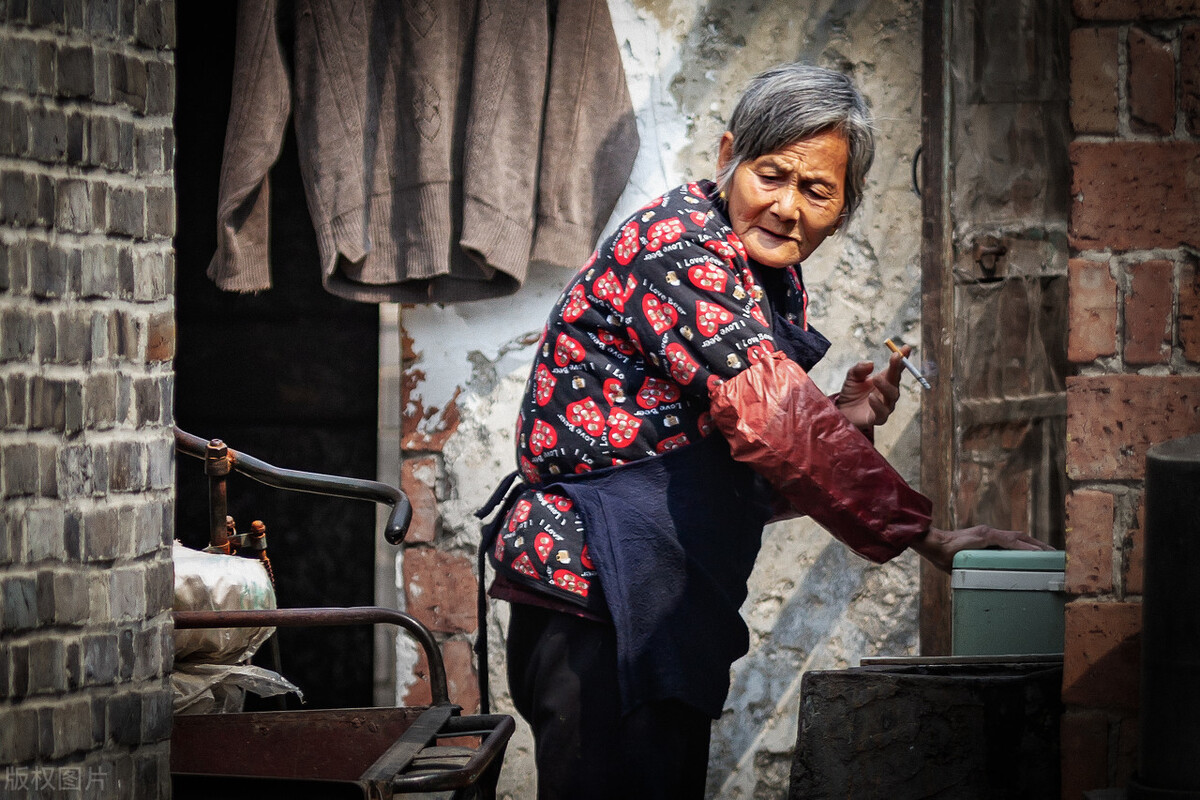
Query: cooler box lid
[(1023, 560)]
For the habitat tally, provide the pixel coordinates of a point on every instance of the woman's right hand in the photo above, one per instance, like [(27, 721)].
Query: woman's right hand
[(939, 546), (868, 400)]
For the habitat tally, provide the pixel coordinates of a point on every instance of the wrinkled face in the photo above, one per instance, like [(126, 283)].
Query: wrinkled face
[(782, 205)]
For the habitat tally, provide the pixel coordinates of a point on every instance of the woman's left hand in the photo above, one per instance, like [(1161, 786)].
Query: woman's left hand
[(939, 546), (868, 400)]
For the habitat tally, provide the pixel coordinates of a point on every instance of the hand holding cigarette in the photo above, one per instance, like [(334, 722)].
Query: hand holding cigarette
[(916, 373), (868, 398)]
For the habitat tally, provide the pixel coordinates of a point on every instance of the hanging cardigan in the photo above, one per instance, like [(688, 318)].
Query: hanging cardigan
[(443, 145)]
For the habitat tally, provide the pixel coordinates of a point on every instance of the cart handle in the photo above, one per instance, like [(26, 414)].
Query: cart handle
[(327, 617), (496, 730), (312, 482)]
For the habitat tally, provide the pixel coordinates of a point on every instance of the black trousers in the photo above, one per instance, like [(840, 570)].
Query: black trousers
[(562, 672)]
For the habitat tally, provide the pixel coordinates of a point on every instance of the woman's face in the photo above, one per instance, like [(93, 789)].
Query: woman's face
[(783, 204)]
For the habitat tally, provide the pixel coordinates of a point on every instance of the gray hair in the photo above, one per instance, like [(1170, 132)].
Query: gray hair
[(792, 102)]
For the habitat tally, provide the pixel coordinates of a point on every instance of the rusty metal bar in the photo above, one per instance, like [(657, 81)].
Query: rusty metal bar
[(216, 467), (327, 617), (312, 482)]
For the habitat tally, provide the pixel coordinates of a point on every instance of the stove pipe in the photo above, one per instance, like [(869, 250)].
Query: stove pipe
[(1169, 735)]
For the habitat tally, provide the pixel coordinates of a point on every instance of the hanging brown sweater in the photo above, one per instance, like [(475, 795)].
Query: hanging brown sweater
[(444, 144)]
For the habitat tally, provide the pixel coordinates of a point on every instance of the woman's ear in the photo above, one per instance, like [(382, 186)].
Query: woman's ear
[(725, 151)]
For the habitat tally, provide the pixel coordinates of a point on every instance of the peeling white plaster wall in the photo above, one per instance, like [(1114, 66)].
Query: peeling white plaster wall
[(812, 603)]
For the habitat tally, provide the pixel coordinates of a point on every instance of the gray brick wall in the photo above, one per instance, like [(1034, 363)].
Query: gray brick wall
[(87, 212)]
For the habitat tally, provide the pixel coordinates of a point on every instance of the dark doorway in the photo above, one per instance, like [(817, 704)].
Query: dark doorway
[(289, 375)]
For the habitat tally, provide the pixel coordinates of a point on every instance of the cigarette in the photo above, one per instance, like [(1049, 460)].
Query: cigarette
[(916, 373)]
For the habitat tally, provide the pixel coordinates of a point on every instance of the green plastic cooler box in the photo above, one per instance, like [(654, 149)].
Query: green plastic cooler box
[(1007, 602)]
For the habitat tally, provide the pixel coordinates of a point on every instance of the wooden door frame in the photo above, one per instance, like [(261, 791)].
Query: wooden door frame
[(937, 318)]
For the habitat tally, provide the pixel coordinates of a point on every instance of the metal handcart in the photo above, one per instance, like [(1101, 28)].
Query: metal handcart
[(431, 751)]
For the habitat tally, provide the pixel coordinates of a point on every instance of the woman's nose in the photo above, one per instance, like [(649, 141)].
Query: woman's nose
[(786, 203)]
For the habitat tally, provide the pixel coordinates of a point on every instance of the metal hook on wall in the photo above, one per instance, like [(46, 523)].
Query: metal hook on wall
[(916, 161)]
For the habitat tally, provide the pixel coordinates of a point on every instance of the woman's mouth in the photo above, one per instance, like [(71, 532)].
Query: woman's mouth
[(777, 238)]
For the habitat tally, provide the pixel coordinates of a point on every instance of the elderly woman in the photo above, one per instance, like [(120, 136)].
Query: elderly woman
[(668, 416)]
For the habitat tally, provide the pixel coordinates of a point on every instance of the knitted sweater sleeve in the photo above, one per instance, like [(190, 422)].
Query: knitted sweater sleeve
[(258, 117), (589, 136)]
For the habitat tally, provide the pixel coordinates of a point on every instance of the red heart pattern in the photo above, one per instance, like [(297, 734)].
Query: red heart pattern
[(542, 438), (524, 565), (565, 579), (655, 391), (707, 277), (586, 414), (733, 240), (622, 427), (626, 247), (614, 393), (661, 316), (683, 366), (576, 304), (710, 317), (612, 340), (635, 340), (544, 382), (607, 286), (671, 443), (528, 470), (520, 513), (543, 543), (567, 350), (757, 352), (723, 249), (663, 232)]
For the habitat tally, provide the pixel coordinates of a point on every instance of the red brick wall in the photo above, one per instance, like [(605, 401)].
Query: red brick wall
[(1134, 337), (437, 571)]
